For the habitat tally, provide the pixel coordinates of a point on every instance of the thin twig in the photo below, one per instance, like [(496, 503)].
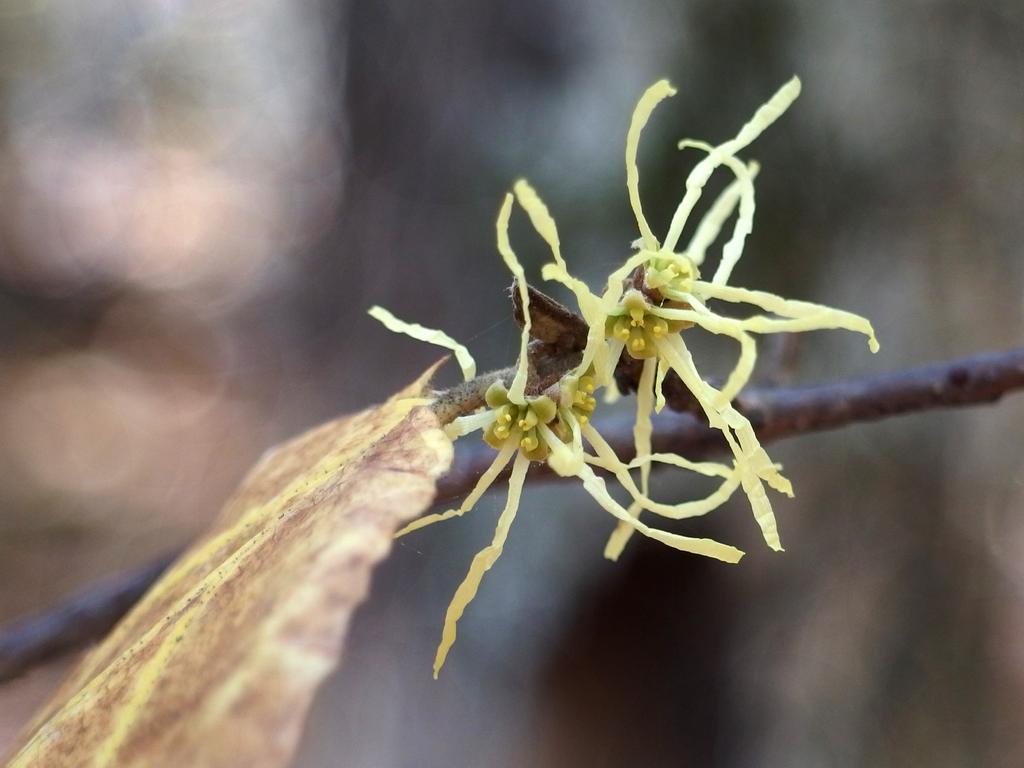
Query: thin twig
[(80, 621), (775, 413), (778, 413)]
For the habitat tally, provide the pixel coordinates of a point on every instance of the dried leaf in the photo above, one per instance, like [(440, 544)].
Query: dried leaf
[(217, 666)]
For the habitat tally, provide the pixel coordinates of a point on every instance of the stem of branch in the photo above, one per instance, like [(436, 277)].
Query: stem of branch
[(80, 621), (775, 413)]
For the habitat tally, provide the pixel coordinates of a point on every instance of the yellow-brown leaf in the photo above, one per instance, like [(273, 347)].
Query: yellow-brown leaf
[(218, 664)]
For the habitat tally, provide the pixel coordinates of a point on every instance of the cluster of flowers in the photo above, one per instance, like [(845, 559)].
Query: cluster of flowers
[(643, 311)]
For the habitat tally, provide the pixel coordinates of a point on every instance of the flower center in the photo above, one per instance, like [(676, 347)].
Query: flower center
[(583, 400), (675, 272), (519, 422), (637, 327)]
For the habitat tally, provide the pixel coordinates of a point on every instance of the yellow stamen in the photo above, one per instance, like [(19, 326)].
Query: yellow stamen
[(529, 442)]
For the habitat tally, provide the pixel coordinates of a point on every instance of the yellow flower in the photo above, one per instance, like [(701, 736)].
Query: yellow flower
[(657, 294), (645, 308), (523, 428)]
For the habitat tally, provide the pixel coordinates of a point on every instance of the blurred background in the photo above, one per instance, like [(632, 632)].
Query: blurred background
[(200, 200)]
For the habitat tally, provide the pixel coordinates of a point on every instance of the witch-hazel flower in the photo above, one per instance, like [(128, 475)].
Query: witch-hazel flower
[(657, 294), (523, 427), (643, 311)]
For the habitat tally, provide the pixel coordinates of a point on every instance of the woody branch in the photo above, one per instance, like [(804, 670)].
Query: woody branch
[(775, 413)]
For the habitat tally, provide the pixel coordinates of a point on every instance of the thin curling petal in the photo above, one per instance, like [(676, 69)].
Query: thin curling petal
[(606, 371), (516, 392), (595, 486), (757, 459), (744, 368), (589, 304), (742, 371), (623, 532), (611, 395), (730, 420), (642, 429), (653, 96), (609, 462), (706, 468), (659, 387), (540, 217), (482, 563), (614, 288), (710, 226), (767, 114), (727, 326), (744, 222), (429, 335), (814, 316), (463, 425), (564, 460), (595, 339), (486, 480), (614, 285), (594, 308), (674, 352), (603, 364)]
